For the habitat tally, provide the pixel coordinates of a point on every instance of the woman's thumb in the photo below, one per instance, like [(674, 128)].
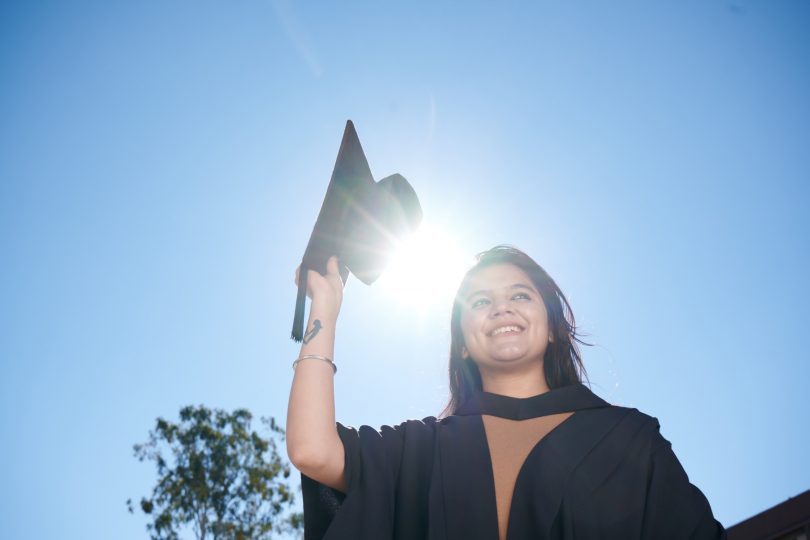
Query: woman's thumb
[(332, 265)]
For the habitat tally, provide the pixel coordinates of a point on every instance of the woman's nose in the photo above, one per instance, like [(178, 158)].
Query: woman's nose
[(500, 307)]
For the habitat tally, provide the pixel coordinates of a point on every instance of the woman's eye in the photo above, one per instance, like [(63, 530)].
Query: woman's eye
[(521, 296), (479, 302)]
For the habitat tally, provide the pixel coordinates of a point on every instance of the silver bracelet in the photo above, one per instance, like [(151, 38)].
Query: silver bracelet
[(316, 357)]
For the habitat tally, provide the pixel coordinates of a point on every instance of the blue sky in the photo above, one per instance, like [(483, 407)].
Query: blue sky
[(162, 164)]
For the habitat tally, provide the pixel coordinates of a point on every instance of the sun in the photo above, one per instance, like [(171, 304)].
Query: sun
[(426, 269)]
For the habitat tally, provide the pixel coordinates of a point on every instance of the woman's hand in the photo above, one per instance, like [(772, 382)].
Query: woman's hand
[(326, 291)]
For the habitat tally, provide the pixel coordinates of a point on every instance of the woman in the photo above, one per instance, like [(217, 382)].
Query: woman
[(522, 451)]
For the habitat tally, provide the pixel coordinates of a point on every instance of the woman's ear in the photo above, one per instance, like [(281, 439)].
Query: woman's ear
[(551, 337), (464, 352)]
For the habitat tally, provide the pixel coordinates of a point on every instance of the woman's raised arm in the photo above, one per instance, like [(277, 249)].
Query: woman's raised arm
[(313, 444)]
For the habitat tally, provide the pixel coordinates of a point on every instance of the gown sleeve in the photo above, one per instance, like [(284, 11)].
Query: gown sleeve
[(387, 474), (675, 508)]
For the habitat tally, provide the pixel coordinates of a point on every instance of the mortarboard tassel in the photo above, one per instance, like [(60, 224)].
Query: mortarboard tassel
[(300, 306)]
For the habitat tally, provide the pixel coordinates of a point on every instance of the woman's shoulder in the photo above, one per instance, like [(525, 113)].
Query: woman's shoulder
[(633, 414), (634, 426)]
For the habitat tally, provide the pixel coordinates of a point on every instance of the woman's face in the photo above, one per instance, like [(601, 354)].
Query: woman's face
[(503, 317)]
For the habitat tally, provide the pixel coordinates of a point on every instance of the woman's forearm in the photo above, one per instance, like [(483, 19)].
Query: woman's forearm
[(311, 433)]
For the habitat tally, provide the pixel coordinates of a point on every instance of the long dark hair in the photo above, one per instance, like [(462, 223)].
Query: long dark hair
[(562, 363)]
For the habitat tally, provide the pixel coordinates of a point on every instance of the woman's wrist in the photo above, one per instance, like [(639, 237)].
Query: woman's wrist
[(319, 335), (325, 313)]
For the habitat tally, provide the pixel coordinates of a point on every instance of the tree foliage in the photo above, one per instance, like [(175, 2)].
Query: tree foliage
[(218, 476)]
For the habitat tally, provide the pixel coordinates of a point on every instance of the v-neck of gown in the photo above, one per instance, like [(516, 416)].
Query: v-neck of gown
[(514, 427)]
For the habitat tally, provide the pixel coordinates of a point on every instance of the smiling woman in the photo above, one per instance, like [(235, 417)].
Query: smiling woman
[(507, 289), (523, 451)]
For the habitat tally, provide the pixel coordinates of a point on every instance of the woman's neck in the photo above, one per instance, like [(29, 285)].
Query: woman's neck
[(515, 383)]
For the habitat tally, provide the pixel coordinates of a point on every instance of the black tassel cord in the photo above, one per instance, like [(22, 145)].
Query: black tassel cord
[(300, 306)]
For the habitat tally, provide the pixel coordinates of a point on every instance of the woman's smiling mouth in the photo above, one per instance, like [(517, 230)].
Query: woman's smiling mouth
[(506, 330)]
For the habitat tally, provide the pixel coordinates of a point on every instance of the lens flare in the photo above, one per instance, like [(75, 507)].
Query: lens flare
[(426, 269)]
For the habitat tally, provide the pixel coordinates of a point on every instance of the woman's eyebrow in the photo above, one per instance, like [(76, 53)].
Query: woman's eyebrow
[(523, 286), (481, 291)]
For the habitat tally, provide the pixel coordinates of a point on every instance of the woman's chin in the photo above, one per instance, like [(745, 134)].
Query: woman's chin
[(510, 353), (508, 357)]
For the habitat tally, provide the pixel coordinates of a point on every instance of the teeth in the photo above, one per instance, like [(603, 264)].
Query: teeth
[(503, 329)]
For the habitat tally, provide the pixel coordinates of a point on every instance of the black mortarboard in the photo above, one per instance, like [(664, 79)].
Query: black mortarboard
[(360, 222)]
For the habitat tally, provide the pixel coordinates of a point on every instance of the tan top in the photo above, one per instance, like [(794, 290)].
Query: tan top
[(510, 442)]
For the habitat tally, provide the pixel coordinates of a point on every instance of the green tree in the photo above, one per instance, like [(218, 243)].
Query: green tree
[(226, 481)]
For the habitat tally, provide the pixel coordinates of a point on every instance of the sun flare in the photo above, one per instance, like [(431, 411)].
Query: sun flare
[(426, 269)]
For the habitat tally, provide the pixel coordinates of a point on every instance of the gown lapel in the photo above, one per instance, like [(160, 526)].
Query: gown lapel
[(546, 474)]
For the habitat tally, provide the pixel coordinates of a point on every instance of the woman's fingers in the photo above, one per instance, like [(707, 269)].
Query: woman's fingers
[(333, 273), (326, 291), (316, 281)]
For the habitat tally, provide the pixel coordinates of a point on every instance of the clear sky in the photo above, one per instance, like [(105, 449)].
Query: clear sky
[(162, 164)]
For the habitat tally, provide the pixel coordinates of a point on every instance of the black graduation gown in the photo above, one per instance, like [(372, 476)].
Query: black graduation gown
[(604, 472)]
